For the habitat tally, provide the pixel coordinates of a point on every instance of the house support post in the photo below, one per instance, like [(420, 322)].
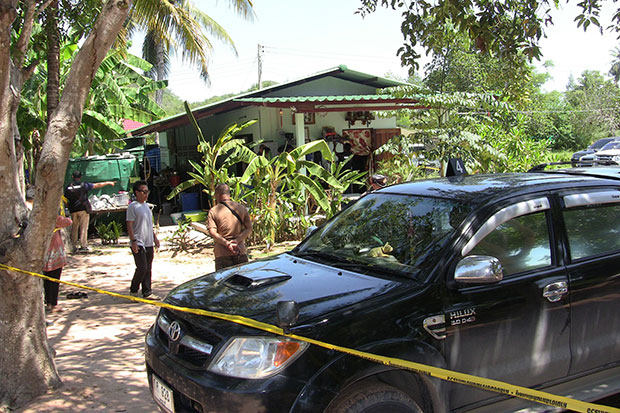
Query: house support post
[(300, 139), (299, 129)]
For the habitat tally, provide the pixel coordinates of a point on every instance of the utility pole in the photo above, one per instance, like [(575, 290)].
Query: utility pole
[(260, 66)]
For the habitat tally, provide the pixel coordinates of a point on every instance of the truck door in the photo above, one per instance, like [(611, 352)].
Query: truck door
[(517, 329), (592, 221)]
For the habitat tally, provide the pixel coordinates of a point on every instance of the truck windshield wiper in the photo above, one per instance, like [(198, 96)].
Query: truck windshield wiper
[(339, 261), (322, 255), (373, 268)]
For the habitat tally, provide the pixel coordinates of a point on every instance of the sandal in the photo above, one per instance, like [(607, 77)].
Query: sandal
[(76, 295)]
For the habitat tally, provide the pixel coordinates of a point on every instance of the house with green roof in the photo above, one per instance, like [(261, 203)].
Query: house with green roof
[(337, 105)]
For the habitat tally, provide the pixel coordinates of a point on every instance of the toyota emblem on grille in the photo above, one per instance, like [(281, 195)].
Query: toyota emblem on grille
[(174, 331)]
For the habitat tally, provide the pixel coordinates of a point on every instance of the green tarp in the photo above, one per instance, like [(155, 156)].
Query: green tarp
[(122, 168)]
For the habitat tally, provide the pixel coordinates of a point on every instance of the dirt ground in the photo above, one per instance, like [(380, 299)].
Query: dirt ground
[(99, 340)]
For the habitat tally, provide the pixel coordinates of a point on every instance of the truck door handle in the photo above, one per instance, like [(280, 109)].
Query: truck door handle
[(436, 326), (554, 291)]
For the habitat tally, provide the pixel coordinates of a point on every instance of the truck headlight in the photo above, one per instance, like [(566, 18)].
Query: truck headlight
[(256, 357), (616, 159)]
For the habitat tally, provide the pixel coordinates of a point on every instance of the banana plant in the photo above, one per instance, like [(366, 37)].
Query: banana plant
[(209, 172), (119, 91), (346, 177), (282, 186)]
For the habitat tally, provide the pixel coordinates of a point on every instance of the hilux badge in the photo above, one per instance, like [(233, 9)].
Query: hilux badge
[(174, 331), (464, 316)]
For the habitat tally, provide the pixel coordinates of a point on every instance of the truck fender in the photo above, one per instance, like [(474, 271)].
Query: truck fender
[(344, 370)]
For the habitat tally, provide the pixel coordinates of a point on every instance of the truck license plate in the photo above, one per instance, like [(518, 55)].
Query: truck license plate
[(163, 394)]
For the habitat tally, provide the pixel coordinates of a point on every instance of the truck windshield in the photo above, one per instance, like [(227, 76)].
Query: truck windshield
[(395, 234)]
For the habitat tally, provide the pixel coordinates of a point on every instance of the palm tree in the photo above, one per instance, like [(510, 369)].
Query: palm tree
[(53, 60), (79, 17), (179, 25), (614, 71)]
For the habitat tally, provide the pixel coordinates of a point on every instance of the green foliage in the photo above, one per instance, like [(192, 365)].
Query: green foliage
[(171, 103), (279, 190), (346, 178), (549, 119), (406, 161), (458, 67), (487, 134), (518, 152), (450, 128), (280, 193), (110, 232), (594, 103), (508, 29), (217, 158), (179, 26), (181, 235), (119, 91)]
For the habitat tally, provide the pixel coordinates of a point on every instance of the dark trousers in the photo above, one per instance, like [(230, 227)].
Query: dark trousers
[(50, 287), (142, 276), (229, 261)]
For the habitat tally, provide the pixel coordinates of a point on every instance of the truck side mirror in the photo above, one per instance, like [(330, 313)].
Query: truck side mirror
[(478, 269), (287, 313)]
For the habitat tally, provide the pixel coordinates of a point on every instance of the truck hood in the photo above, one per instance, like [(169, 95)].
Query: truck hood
[(252, 290)]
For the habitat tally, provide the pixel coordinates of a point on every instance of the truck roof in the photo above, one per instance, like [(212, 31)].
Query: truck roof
[(475, 189)]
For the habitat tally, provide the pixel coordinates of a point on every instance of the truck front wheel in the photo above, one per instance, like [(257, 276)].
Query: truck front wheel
[(373, 398)]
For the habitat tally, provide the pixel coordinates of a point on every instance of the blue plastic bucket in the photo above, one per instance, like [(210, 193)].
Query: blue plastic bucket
[(190, 201)]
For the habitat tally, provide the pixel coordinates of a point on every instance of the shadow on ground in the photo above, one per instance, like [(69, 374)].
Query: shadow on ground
[(99, 340)]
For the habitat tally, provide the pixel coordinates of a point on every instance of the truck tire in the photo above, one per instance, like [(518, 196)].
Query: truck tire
[(373, 397)]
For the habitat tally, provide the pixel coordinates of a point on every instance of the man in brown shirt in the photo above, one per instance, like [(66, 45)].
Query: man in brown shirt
[(229, 224)]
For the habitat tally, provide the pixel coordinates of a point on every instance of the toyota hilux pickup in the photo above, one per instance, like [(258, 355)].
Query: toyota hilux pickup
[(513, 277)]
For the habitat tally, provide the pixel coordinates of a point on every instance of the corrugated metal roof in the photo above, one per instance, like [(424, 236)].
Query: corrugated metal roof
[(317, 99)]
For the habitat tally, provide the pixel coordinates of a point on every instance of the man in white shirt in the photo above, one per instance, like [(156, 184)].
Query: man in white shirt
[(142, 238)]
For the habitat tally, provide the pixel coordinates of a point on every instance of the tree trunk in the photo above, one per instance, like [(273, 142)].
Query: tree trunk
[(53, 58), (161, 69), (26, 362)]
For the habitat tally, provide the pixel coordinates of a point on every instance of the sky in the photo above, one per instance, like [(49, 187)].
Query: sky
[(301, 38)]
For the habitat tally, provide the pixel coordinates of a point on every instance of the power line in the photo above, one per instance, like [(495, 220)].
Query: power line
[(312, 53)]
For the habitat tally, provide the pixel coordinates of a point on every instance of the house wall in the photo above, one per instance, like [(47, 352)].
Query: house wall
[(325, 87), (274, 126), (213, 126), (179, 144), (271, 127)]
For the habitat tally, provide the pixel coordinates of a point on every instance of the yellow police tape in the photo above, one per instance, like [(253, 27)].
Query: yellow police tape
[(444, 374)]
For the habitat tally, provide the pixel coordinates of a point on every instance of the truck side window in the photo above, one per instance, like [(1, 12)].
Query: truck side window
[(593, 231), (521, 244)]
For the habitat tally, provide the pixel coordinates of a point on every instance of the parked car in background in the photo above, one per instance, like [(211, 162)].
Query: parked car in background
[(593, 148), (608, 154), (514, 277)]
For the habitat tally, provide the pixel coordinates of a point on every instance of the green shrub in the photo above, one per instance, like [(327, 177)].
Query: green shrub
[(110, 232)]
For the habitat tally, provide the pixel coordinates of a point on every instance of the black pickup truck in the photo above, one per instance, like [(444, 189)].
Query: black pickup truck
[(513, 277)]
